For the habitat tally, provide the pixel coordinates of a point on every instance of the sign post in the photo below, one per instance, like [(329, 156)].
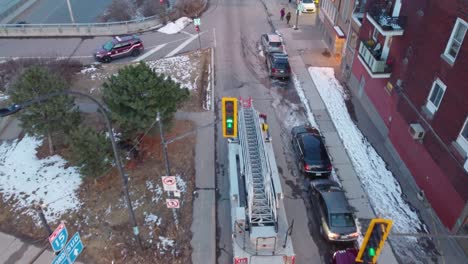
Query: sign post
[(300, 8), (197, 23)]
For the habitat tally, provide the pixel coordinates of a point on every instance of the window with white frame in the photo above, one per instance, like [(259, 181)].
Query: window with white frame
[(462, 141), (375, 34), (456, 40), (435, 96), (344, 15), (329, 9)]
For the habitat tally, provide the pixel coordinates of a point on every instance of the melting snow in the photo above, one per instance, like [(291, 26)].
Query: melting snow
[(151, 219), (180, 69), (181, 184), (304, 100), (175, 27), (30, 180), (165, 244), (383, 189), (156, 190)]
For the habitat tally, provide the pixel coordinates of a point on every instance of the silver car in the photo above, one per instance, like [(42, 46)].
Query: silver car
[(272, 43)]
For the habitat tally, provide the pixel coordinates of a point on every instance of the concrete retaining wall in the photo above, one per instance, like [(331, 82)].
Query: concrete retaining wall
[(79, 29)]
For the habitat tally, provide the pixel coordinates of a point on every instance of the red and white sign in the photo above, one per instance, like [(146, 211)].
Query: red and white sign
[(241, 260), (172, 203), (56, 232), (169, 183)]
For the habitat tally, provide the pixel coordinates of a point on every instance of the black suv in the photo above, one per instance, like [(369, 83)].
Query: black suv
[(278, 65), (310, 151), (336, 216), (119, 47)]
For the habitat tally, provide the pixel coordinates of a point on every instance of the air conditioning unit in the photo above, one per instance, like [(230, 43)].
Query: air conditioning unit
[(416, 131)]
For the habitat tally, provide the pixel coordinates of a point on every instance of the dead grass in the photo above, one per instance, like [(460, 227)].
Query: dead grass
[(103, 220)]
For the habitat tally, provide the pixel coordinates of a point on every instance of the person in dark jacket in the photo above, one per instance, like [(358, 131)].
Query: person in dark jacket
[(288, 17)]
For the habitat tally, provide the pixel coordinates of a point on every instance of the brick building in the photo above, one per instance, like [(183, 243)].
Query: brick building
[(410, 72)]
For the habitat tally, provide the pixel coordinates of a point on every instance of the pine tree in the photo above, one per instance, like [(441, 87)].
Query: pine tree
[(51, 117), (137, 93), (91, 151)]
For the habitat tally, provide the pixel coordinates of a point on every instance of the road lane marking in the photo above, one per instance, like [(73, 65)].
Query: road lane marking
[(185, 32), (214, 36), (181, 46), (148, 53)]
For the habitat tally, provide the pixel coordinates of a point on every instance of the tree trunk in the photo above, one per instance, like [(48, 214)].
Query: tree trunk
[(51, 145)]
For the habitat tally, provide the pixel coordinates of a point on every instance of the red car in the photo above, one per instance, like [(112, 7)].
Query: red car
[(347, 256), (119, 47)]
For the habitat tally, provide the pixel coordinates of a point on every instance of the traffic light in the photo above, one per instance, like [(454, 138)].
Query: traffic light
[(229, 117), (374, 240)]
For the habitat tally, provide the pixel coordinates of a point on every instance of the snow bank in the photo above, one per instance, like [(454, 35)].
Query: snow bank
[(383, 190), (180, 69), (30, 180), (175, 27), (304, 100)]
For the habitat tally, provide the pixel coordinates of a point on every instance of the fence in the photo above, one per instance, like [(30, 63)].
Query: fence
[(80, 29)]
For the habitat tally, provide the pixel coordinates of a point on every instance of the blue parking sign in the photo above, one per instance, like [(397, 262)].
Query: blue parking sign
[(62, 258)]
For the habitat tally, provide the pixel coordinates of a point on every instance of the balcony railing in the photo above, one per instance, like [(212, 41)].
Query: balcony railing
[(386, 24), (376, 66)]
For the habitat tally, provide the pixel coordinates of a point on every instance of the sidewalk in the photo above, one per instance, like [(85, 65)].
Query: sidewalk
[(305, 47)]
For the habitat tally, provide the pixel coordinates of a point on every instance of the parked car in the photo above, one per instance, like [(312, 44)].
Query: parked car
[(278, 65), (119, 47), (309, 6), (271, 43), (346, 256), (336, 218), (310, 151)]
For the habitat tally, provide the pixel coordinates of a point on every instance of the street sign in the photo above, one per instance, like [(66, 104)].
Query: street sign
[(197, 21), (74, 247), (300, 7), (169, 183), (62, 258), (241, 260), (172, 203), (59, 237)]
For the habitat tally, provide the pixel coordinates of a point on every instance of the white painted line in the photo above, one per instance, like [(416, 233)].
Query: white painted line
[(214, 36), (181, 46), (185, 32), (148, 53)]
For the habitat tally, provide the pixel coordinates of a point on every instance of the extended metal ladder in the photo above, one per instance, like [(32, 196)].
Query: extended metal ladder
[(261, 200)]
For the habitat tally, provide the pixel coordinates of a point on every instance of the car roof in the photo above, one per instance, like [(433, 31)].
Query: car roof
[(125, 38), (297, 130), (335, 200), (273, 38)]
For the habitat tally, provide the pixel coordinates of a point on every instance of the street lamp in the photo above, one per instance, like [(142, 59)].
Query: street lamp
[(19, 106)]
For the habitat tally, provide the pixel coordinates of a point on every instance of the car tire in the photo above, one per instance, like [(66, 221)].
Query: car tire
[(107, 59), (135, 52)]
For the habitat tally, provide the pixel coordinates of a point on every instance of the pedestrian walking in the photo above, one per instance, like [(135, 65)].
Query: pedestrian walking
[(282, 13), (288, 17)]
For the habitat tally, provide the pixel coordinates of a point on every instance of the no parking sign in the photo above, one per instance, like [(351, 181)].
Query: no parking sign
[(169, 183)]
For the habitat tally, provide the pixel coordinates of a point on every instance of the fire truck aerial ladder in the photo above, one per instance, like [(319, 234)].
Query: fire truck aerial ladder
[(260, 230)]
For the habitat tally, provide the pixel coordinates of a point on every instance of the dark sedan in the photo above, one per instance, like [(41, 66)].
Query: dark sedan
[(310, 151), (336, 217)]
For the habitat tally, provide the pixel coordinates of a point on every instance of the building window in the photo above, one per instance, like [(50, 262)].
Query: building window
[(462, 141), (330, 10), (435, 96), (345, 10), (456, 40), (375, 34)]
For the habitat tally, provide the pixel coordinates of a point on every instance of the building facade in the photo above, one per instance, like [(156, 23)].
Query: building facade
[(410, 72), (333, 21)]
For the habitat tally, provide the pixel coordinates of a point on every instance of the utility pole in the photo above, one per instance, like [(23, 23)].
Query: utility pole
[(38, 208), (163, 142), (71, 12), (297, 19)]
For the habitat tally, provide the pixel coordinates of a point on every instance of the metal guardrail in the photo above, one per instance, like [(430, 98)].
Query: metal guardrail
[(80, 29)]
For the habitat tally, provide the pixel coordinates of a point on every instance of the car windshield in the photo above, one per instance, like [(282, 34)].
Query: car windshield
[(307, 1), (108, 45), (341, 220), (314, 149), (275, 44)]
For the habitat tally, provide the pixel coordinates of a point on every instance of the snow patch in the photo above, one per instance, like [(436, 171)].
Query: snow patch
[(304, 100), (156, 190), (165, 244), (3, 97), (151, 219), (383, 190), (175, 27), (30, 180), (180, 69), (181, 184)]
